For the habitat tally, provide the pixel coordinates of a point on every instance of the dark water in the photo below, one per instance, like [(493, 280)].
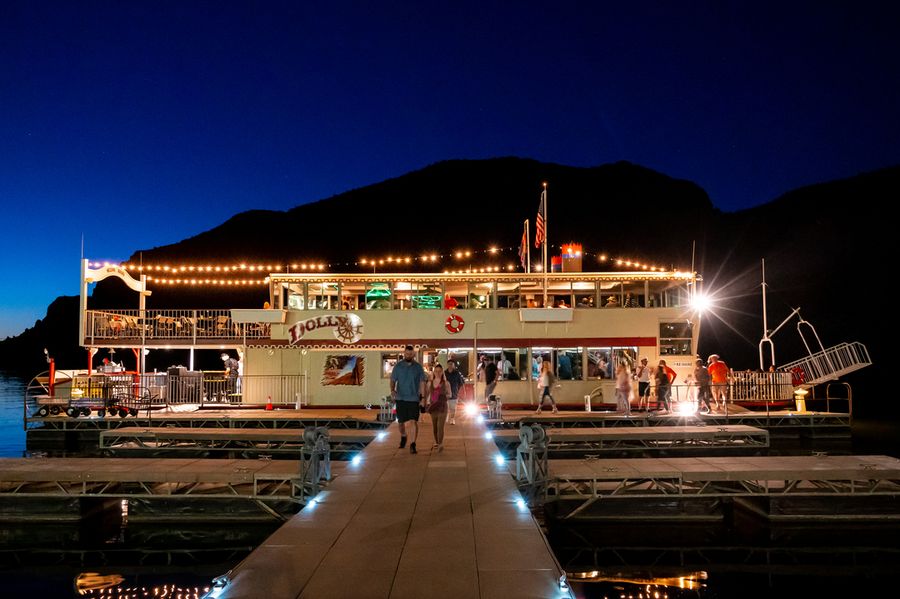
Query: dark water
[(744, 557), (129, 559)]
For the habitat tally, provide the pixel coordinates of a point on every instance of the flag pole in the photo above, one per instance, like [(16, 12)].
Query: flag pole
[(546, 265), (527, 248)]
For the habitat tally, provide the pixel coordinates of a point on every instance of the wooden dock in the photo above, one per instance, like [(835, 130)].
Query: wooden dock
[(643, 439), (163, 440), (431, 525)]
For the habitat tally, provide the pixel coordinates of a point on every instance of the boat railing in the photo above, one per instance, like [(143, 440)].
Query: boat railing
[(125, 393), (181, 325)]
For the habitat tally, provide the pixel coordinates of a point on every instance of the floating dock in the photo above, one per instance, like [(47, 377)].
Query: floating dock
[(644, 439), (817, 487), (166, 440)]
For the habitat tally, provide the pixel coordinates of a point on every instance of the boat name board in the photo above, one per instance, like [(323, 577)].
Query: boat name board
[(347, 328)]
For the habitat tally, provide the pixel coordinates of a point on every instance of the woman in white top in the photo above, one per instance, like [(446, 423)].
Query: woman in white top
[(545, 381), (623, 389)]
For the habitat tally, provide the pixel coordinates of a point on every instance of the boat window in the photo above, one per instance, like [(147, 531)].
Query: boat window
[(508, 295), (600, 364), (322, 296), (353, 296), (585, 294), (403, 292), (676, 295), (559, 294), (428, 296), (624, 355), (633, 295), (481, 295), (461, 356), (455, 295), (532, 294), (675, 338), (296, 296), (378, 296), (568, 364), (388, 361), (514, 363), (611, 295)]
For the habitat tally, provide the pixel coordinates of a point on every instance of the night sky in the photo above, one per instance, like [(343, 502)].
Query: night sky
[(138, 124)]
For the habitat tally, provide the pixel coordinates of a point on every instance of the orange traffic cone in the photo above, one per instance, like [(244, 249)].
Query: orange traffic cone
[(269, 403)]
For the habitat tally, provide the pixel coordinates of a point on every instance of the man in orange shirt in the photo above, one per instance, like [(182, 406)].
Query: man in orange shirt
[(718, 372)]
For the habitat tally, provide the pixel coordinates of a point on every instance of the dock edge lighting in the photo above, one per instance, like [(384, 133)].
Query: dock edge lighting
[(499, 459), (356, 460), (381, 435), (479, 419), (489, 435), (471, 408), (563, 583)]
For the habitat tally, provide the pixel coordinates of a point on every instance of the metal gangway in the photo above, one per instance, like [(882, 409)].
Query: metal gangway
[(828, 364), (820, 367)]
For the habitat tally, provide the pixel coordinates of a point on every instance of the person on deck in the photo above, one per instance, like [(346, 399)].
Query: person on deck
[(408, 391), (718, 372), (665, 376), (437, 393), (457, 381)]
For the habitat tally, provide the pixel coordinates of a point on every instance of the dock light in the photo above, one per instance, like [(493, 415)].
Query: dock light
[(563, 583), (499, 459), (489, 435), (687, 408), (471, 409), (357, 459), (701, 302), (520, 503), (380, 436), (479, 419)]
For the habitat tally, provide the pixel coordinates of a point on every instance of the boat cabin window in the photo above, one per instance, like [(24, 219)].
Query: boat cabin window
[(428, 296), (388, 361), (481, 295), (633, 295), (532, 294), (566, 362), (508, 295), (353, 296), (513, 363), (378, 296), (585, 294), (296, 296), (611, 295), (455, 295), (322, 296), (559, 294), (675, 338)]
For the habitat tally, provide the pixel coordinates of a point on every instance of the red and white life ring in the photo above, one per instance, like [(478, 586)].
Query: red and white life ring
[(454, 323)]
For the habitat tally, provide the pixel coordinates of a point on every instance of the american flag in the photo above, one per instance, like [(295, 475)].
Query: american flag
[(539, 231), (523, 247)]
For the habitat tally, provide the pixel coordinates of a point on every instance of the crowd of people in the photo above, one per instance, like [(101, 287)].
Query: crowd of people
[(416, 391)]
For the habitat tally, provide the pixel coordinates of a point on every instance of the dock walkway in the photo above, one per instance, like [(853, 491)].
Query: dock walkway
[(399, 525)]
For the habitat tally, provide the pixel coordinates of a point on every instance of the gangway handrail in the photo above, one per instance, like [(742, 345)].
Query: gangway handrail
[(829, 364)]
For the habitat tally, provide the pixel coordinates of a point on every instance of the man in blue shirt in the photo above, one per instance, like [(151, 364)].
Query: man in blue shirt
[(408, 391)]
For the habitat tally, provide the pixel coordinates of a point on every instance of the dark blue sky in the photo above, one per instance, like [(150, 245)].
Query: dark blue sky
[(142, 123)]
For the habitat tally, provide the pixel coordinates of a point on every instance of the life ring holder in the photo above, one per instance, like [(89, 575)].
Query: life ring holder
[(454, 323)]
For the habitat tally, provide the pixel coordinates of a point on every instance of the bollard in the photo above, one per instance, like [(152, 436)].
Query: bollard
[(587, 403)]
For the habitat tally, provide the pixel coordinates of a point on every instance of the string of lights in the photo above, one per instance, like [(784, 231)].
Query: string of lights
[(198, 274), (368, 262)]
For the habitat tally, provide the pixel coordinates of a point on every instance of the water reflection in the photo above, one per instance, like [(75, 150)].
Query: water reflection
[(743, 559)]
